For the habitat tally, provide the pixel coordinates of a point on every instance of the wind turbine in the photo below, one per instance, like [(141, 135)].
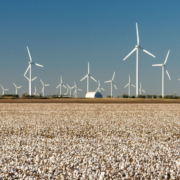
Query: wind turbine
[(16, 88), (163, 68), (99, 87), (61, 84), (3, 90), (141, 90), (137, 47), (70, 88), (29, 68), (112, 83), (43, 85), (66, 91), (129, 88), (35, 92), (76, 90), (88, 76)]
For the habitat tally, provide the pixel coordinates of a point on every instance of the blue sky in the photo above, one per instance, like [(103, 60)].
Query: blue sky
[(65, 35)]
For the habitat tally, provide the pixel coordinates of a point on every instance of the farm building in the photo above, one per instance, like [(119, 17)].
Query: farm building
[(93, 95)]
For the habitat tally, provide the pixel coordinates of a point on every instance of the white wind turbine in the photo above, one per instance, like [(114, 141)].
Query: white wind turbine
[(163, 68), (43, 85), (88, 76), (66, 91), (29, 68), (76, 90), (16, 88), (70, 88), (99, 87), (3, 90), (60, 85), (112, 83), (137, 47), (35, 92), (141, 90), (129, 86)]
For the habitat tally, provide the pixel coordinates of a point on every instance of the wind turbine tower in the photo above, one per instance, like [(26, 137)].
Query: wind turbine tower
[(164, 68), (129, 86), (112, 83), (29, 68), (137, 47), (60, 85), (43, 85), (70, 88), (16, 88), (141, 90), (76, 89), (99, 87), (88, 76), (3, 90)]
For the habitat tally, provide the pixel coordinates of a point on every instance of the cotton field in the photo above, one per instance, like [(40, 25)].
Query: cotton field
[(89, 141)]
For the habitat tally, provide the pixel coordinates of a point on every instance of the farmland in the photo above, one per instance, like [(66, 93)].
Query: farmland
[(89, 141)]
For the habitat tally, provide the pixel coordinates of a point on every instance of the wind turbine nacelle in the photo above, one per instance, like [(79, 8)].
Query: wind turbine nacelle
[(137, 46)]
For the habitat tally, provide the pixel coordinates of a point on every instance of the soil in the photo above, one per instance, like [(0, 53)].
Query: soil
[(96, 100)]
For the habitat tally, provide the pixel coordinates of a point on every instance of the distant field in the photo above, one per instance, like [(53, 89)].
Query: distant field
[(89, 141), (84, 100)]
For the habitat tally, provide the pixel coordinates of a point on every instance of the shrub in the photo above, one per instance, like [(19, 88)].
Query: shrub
[(125, 96), (141, 96)]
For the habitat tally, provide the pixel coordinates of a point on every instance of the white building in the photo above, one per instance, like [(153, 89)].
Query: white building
[(94, 95)]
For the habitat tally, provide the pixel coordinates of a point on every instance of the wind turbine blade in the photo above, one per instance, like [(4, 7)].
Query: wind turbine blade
[(126, 85), (83, 78), (27, 70), (46, 84), (68, 86), (143, 91), (137, 34), (168, 74), (15, 85), (6, 89), (88, 68), (64, 86), (34, 78), (29, 54), (93, 78), (97, 89), (74, 93), (147, 52), (75, 84), (107, 81), (41, 82), (157, 64), (115, 86), (102, 89), (98, 83), (61, 79), (19, 86), (166, 57), (129, 54), (133, 85), (113, 76), (179, 79), (38, 65), (58, 86), (80, 90)]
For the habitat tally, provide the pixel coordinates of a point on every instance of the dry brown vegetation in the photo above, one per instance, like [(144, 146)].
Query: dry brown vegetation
[(89, 141), (95, 100)]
